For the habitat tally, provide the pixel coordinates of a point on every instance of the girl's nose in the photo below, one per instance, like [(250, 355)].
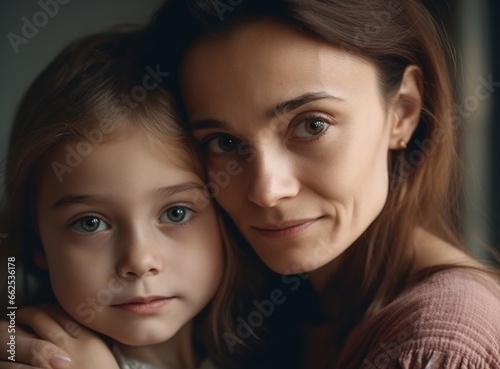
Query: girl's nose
[(138, 256)]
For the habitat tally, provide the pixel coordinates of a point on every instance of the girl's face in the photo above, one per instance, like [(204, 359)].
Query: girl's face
[(132, 246), (303, 134)]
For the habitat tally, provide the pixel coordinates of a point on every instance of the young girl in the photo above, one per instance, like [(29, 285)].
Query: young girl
[(105, 197)]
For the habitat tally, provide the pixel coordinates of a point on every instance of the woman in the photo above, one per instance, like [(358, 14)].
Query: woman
[(335, 119), (339, 115)]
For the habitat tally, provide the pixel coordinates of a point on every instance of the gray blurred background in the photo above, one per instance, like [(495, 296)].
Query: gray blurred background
[(19, 64), (474, 26), (472, 23)]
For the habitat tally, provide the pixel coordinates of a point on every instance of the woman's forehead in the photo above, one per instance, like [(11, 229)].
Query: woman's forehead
[(265, 65)]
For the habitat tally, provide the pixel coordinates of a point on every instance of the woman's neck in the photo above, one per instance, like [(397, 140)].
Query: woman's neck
[(320, 278), (338, 282), (430, 250), (176, 353)]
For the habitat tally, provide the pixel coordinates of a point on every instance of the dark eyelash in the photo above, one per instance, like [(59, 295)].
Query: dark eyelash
[(203, 143), (73, 220), (315, 138), (321, 117), (195, 213)]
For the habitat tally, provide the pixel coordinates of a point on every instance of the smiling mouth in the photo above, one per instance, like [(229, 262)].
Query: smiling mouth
[(285, 229), (144, 306)]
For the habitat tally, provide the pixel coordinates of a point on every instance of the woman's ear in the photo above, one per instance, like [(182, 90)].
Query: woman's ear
[(406, 107)]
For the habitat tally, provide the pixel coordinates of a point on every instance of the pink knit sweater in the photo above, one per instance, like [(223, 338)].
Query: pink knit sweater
[(452, 316)]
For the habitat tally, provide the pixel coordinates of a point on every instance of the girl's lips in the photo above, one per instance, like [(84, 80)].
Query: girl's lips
[(145, 307), (285, 229)]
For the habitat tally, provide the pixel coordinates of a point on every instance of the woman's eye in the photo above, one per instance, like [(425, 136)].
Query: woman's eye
[(90, 224), (177, 215), (310, 127), (222, 144)]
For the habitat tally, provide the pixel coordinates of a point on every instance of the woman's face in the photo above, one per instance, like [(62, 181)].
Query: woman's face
[(296, 134)]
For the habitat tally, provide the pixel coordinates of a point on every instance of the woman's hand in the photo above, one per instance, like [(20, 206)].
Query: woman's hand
[(29, 351), (59, 343)]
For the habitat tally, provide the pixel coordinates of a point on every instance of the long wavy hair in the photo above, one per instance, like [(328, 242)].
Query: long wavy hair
[(424, 179)]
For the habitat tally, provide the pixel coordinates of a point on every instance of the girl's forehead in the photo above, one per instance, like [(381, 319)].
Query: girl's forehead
[(122, 168), (119, 145)]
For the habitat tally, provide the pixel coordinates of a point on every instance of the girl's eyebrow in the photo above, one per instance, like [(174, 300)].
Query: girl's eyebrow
[(168, 191), (278, 110), (158, 193), (76, 199)]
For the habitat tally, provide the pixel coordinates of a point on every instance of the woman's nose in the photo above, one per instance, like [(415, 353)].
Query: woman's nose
[(272, 178)]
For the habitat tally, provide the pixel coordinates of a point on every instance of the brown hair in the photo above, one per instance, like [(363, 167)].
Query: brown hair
[(96, 88), (424, 178)]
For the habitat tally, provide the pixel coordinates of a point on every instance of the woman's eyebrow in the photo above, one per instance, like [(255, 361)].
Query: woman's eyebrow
[(292, 104), (201, 124), (280, 109)]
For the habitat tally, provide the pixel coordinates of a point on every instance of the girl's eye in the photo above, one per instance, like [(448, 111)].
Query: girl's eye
[(222, 144), (310, 127), (90, 224), (177, 215)]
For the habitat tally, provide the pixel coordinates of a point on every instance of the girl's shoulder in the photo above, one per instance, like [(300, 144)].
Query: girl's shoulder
[(125, 362), (452, 316)]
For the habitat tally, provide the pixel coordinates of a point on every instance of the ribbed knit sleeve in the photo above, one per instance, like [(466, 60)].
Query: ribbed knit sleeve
[(452, 316)]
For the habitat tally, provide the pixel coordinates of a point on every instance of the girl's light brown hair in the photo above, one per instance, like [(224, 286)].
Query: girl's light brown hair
[(424, 178), (95, 89)]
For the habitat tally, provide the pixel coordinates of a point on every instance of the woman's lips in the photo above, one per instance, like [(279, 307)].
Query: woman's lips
[(285, 229), (144, 306)]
